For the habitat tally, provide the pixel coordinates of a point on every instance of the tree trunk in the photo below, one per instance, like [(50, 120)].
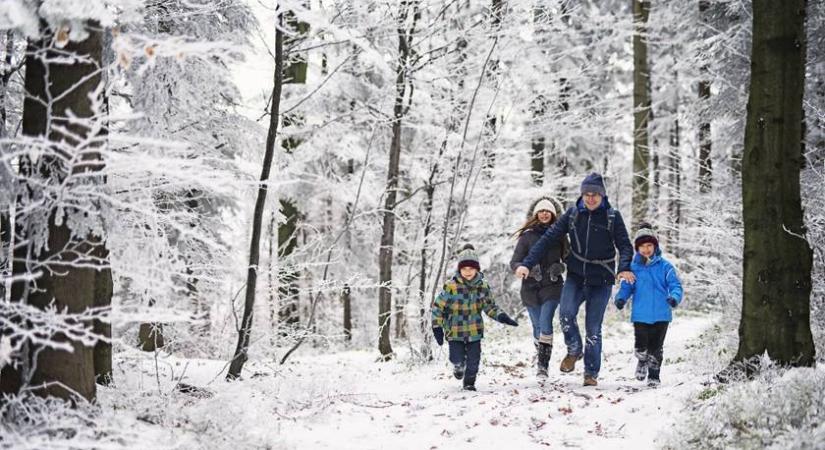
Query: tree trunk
[(150, 334), (497, 9), (6, 208), (346, 299), (240, 355), (538, 144), (777, 258), (103, 291), (641, 113), (385, 254), (295, 72), (67, 282), (288, 314), (674, 205), (705, 142)]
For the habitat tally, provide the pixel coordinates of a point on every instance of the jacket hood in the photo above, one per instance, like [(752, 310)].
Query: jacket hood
[(556, 203), (605, 204)]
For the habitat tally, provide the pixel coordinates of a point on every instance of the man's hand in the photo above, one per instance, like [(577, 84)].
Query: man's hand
[(522, 272), (627, 276)]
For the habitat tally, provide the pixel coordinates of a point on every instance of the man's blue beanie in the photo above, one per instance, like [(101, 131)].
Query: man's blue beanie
[(593, 183)]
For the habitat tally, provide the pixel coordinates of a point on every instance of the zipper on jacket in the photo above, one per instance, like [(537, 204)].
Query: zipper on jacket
[(587, 241)]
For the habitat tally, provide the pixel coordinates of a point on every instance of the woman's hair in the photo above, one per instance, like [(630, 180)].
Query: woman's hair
[(532, 222)]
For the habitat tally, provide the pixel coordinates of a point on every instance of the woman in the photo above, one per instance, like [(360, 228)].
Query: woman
[(541, 290)]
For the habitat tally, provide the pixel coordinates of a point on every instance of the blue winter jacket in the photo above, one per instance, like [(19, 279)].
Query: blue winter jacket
[(655, 282), (590, 240)]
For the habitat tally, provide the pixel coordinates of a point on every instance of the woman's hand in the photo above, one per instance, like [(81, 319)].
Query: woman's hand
[(522, 272)]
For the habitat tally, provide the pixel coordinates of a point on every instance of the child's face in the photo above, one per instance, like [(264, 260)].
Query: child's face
[(647, 249), (468, 273)]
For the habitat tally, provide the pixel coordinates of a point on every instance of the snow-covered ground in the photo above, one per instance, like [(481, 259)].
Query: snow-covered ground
[(348, 400)]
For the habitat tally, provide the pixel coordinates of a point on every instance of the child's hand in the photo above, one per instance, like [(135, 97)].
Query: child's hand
[(620, 304), (672, 302), (627, 276), (505, 319), (438, 333)]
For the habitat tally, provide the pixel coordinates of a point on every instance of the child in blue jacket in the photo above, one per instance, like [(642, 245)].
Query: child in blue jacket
[(656, 291)]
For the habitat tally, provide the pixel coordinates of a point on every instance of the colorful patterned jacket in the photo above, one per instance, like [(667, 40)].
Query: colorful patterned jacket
[(459, 305)]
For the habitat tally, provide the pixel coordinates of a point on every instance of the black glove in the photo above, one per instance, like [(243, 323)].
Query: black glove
[(672, 302), (620, 304), (505, 319), (438, 333)]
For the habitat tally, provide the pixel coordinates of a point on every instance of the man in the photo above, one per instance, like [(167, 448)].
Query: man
[(596, 231)]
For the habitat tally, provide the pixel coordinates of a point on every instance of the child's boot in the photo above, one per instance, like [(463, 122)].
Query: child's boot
[(470, 383), (458, 371), (641, 366), (653, 372)]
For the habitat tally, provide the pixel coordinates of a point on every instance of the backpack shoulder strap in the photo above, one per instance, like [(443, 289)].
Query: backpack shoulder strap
[(571, 229), (611, 220)]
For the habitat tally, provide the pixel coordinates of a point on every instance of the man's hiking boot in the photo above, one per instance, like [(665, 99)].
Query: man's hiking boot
[(653, 382), (458, 371), (590, 381), (470, 384), (569, 362)]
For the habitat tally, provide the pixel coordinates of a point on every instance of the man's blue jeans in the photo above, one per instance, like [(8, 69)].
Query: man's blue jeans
[(595, 298), (541, 317)]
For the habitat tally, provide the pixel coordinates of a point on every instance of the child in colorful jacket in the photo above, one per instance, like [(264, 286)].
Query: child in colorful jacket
[(457, 309), (655, 293)]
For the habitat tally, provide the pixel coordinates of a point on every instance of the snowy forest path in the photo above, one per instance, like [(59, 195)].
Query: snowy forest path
[(397, 405)]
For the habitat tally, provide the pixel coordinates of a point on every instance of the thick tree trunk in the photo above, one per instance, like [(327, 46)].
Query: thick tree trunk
[(240, 355), (641, 113), (705, 142), (777, 258), (55, 91), (103, 291)]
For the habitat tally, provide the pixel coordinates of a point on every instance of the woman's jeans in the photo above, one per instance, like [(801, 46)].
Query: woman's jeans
[(541, 316)]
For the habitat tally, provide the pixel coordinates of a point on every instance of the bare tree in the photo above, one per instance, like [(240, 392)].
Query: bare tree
[(240, 355), (408, 11)]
